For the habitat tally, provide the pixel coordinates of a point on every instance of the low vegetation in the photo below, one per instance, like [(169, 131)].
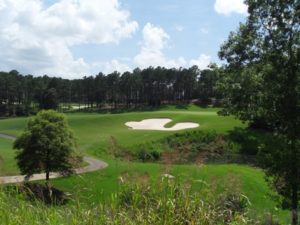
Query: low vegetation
[(198, 146), (138, 202)]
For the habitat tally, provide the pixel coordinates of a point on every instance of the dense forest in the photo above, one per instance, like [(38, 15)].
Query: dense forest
[(25, 94)]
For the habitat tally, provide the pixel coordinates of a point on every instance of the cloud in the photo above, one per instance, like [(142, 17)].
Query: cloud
[(202, 62), (151, 54), (227, 7), (111, 66), (37, 39), (155, 40)]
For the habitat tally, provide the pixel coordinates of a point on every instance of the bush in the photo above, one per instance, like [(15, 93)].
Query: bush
[(144, 155), (239, 146), (187, 147)]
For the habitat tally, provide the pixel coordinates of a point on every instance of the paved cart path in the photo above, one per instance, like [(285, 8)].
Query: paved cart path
[(94, 165)]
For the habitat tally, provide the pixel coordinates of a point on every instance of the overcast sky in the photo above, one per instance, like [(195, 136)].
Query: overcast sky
[(73, 38)]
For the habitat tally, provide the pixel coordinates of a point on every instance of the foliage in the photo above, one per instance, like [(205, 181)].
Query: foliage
[(148, 87), (249, 140), (207, 87), (47, 145), (262, 81), (275, 155), (48, 99), (187, 147)]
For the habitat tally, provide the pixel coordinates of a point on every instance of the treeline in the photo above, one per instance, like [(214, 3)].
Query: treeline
[(22, 95)]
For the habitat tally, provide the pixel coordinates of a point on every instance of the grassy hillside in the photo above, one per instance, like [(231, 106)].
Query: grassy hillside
[(94, 132), (7, 162)]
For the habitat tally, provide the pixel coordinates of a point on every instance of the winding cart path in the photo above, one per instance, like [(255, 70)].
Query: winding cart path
[(94, 165)]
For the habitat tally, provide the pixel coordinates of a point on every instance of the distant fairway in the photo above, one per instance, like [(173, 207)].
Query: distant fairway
[(94, 132)]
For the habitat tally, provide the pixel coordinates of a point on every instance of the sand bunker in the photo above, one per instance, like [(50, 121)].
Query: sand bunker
[(159, 124)]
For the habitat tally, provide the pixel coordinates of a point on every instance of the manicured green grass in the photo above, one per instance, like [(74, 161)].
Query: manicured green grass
[(13, 126), (94, 130), (94, 133), (7, 158)]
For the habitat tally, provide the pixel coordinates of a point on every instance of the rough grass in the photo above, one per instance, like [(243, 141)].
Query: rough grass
[(138, 202), (98, 186)]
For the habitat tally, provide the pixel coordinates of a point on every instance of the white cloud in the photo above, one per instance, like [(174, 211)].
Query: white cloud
[(202, 62), (37, 39), (227, 7), (109, 67), (155, 39), (151, 54)]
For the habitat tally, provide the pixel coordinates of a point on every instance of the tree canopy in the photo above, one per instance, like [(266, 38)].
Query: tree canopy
[(262, 81), (23, 95), (47, 145)]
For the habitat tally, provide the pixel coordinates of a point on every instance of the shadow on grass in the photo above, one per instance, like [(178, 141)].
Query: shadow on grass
[(121, 109), (40, 192), (182, 106)]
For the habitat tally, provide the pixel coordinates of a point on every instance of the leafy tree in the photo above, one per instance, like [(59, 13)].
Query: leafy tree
[(262, 80), (113, 86), (47, 145), (49, 99), (100, 89), (207, 83)]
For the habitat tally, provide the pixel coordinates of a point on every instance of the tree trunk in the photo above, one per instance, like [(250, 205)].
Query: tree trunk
[(295, 182), (294, 206), (47, 176)]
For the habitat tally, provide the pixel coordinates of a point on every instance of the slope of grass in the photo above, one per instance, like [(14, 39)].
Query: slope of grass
[(7, 158), (94, 132), (99, 186)]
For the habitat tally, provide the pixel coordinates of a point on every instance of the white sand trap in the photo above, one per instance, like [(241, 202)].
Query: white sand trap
[(159, 124)]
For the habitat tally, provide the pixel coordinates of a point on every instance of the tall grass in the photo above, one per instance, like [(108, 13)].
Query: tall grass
[(166, 202)]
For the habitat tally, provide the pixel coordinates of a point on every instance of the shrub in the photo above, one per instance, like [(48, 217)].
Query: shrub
[(187, 146), (144, 155)]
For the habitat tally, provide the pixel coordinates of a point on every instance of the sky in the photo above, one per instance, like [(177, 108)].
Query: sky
[(76, 38)]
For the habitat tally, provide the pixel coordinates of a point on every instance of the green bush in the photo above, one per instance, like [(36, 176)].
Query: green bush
[(148, 156), (189, 145)]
